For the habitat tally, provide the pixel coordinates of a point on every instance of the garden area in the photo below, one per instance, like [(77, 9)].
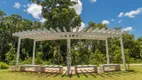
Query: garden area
[(60, 42), (134, 73)]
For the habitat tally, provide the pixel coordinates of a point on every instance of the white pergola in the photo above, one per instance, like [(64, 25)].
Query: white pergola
[(51, 34)]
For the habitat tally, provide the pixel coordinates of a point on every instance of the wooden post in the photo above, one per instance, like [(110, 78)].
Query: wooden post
[(68, 55), (123, 55), (33, 58), (17, 55), (107, 52)]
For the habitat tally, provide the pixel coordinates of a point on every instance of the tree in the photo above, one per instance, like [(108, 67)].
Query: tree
[(96, 58), (11, 55), (94, 25), (58, 13), (2, 15), (139, 41)]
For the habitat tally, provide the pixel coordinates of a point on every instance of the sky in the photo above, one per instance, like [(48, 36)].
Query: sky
[(114, 13)]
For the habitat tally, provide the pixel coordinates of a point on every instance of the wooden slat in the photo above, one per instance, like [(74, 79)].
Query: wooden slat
[(52, 34), (46, 30), (84, 29), (58, 29), (71, 30), (52, 30), (101, 30), (90, 30), (64, 29), (95, 30)]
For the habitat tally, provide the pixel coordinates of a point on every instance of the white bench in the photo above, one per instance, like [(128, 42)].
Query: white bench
[(30, 68), (86, 68), (52, 68), (110, 67)]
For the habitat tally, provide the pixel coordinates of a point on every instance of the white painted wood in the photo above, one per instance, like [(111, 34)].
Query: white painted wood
[(83, 30), (52, 30), (46, 30), (83, 34), (77, 29), (58, 29), (123, 55), (107, 52), (90, 30), (57, 34), (95, 30), (34, 46), (64, 29), (70, 38), (17, 55), (68, 55), (71, 30), (101, 30), (106, 31), (45, 33)]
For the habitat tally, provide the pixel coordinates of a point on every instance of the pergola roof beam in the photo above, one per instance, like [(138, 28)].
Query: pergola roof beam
[(44, 39), (72, 34), (71, 29), (90, 29), (83, 34), (64, 29), (58, 29), (95, 30), (52, 30), (83, 30)]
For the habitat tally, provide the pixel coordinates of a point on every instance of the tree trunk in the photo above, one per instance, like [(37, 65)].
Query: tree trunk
[(58, 52)]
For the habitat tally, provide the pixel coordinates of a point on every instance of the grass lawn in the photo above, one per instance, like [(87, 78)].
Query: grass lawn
[(134, 74)]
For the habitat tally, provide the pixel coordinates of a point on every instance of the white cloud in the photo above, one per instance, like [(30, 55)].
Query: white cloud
[(28, 5), (17, 5), (24, 10), (112, 20), (77, 7), (82, 26), (93, 1), (119, 21), (35, 10), (133, 13), (24, 6), (105, 22), (42, 20), (121, 14), (127, 29)]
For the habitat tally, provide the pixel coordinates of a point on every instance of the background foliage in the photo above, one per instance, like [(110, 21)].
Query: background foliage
[(54, 52)]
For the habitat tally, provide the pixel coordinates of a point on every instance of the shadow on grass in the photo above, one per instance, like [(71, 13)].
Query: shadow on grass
[(84, 74), (117, 74), (93, 75), (106, 74)]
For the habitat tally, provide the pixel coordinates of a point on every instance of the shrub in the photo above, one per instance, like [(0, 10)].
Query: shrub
[(3, 65), (38, 61), (27, 61), (11, 55)]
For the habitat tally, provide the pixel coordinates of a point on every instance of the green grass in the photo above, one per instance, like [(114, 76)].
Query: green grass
[(134, 74)]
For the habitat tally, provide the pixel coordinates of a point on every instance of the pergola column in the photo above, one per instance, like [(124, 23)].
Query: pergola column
[(17, 55), (33, 58), (122, 51), (107, 52), (68, 56)]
